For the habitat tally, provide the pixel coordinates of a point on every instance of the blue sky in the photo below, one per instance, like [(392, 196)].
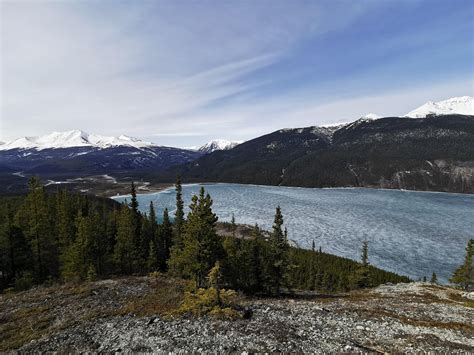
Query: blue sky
[(181, 73)]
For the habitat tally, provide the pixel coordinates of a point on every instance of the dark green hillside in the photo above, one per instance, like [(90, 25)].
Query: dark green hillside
[(260, 160), (434, 153)]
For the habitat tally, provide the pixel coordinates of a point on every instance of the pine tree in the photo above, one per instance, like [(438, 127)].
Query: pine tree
[(361, 277), (365, 253), (15, 252), (434, 278), (165, 236), (258, 245), (136, 219), (35, 221), (179, 214), (278, 258), (152, 262), (233, 225), (124, 251), (463, 276), (202, 246)]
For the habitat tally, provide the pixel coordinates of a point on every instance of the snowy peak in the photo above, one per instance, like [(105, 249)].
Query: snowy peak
[(218, 144), (463, 105), (371, 116), (74, 138)]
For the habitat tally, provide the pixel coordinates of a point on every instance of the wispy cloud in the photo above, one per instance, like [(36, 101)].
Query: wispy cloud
[(183, 72)]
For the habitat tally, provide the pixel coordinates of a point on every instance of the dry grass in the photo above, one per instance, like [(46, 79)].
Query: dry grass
[(23, 326), (33, 314), (164, 299)]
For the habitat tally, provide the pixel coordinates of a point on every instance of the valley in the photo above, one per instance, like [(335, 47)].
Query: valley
[(225, 177)]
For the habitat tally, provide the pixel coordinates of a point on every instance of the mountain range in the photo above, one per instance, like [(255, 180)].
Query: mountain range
[(430, 148)]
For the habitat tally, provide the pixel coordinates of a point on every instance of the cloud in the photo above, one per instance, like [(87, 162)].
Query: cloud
[(134, 67), (182, 72)]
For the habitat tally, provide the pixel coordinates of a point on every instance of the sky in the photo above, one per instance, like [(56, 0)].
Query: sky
[(180, 73)]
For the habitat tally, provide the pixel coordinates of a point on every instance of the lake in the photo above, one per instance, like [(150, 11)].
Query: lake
[(409, 232)]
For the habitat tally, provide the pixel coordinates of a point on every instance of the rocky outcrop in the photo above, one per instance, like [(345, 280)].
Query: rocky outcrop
[(120, 315)]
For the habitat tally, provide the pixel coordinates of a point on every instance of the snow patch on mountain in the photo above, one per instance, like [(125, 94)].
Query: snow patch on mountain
[(463, 105), (218, 144), (74, 138), (371, 116)]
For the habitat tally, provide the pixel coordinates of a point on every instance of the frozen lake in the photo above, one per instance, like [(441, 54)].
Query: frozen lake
[(412, 233)]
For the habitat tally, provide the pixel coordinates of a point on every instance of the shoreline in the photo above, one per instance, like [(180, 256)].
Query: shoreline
[(168, 186)]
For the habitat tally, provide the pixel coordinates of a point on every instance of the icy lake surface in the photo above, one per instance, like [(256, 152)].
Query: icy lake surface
[(412, 233)]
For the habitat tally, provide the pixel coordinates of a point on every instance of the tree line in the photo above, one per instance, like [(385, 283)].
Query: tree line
[(68, 236)]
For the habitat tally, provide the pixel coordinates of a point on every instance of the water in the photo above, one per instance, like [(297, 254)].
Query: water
[(411, 233)]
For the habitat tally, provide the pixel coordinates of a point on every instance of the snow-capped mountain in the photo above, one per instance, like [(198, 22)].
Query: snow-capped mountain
[(463, 105), (371, 116), (74, 138), (218, 144)]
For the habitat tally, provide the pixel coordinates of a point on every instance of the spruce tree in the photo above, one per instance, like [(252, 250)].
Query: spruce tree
[(136, 219), (202, 246), (257, 260), (278, 250), (124, 251), (165, 241), (15, 252), (463, 276), (179, 214), (233, 225), (434, 278), (365, 253), (152, 262), (36, 222), (361, 278)]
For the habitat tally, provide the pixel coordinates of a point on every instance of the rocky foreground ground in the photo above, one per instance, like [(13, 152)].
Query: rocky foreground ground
[(132, 314)]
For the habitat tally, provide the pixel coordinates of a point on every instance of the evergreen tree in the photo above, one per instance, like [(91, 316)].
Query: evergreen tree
[(233, 225), (124, 251), (136, 219), (365, 253), (152, 262), (257, 261), (202, 246), (179, 214), (165, 236), (15, 252), (152, 218), (463, 276), (434, 278), (278, 254), (361, 278), (35, 221), (66, 216), (87, 251), (146, 236)]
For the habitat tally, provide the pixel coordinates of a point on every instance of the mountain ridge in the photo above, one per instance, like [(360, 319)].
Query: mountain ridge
[(433, 153), (463, 105), (218, 144), (72, 139)]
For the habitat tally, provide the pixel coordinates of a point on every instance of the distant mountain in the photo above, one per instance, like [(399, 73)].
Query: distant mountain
[(463, 105), (76, 153), (371, 116), (432, 153), (74, 138), (218, 144)]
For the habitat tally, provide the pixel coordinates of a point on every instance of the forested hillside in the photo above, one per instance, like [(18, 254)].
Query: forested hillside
[(433, 153), (64, 236)]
